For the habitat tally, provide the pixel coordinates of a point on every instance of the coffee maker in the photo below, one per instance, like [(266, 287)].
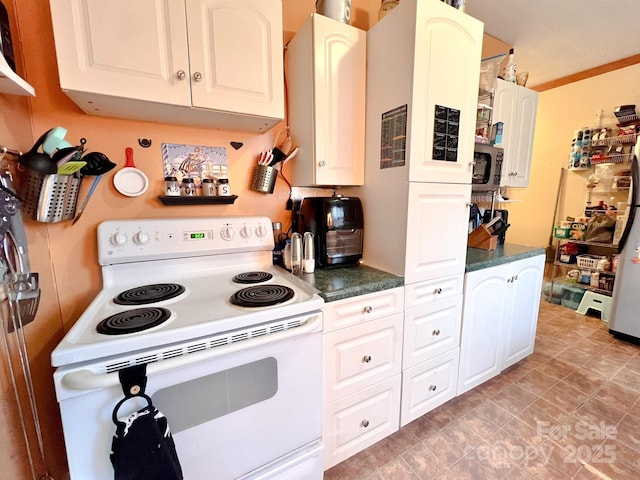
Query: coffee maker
[(338, 226)]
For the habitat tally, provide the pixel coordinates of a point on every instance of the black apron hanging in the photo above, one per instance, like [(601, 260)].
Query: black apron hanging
[(142, 447)]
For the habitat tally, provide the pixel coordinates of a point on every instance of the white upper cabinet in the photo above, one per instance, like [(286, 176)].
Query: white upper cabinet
[(516, 107), (326, 87), (213, 63), (423, 60)]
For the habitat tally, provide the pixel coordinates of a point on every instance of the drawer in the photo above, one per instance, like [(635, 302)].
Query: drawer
[(358, 357), (351, 311), (428, 385), (360, 420), (424, 293), (431, 330)]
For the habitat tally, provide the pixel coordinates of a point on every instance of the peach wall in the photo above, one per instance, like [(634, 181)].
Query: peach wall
[(65, 255)]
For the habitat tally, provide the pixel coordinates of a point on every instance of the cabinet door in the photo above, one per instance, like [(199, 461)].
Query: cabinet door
[(524, 133), (360, 356), (431, 330), (122, 48), (428, 385), (437, 231), (522, 318), (446, 63), (353, 423), (326, 67), (235, 55), (516, 107), (485, 295)]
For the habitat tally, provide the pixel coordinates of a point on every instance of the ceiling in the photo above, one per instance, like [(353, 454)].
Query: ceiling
[(553, 39)]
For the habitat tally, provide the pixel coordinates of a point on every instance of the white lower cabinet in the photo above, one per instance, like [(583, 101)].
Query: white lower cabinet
[(355, 422), (428, 385), (362, 360), (433, 312), (500, 316)]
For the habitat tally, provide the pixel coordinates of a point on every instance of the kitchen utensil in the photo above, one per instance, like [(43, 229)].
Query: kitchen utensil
[(54, 140), (86, 199), (68, 154), (277, 156), (69, 168), (130, 181), (97, 164), (36, 161), (291, 156)]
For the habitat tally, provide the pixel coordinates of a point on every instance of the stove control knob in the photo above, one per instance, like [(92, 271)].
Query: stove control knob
[(227, 233), (118, 239), (261, 231), (245, 232), (141, 238)]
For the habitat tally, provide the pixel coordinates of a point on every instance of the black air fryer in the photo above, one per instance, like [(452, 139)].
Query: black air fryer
[(338, 227)]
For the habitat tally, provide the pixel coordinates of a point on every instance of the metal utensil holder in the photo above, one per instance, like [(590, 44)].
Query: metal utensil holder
[(51, 198), (264, 179)]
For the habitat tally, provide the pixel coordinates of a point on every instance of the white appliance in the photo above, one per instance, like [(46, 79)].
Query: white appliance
[(235, 367), (624, 321)]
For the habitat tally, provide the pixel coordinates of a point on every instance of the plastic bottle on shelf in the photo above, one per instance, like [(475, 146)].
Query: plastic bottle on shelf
[(510, 68)]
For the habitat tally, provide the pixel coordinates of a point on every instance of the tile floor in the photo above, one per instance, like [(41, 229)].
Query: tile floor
[(571, 410)]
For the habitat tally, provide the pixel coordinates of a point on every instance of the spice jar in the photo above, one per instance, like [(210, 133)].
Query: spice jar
[(208, 187), (188, 187), (223, 189), (171, 187)]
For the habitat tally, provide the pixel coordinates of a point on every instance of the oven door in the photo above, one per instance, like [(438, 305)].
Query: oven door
[(231, 409)]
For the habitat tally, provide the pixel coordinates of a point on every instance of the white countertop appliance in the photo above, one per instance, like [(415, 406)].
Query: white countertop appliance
[(232, 347)]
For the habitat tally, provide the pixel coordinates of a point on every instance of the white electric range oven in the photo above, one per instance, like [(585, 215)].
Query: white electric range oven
[(232, 347)]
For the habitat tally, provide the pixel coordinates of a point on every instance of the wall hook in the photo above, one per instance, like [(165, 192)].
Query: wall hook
[(144, 142)]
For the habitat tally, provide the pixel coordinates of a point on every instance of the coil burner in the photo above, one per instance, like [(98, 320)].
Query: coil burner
[(149, 294), (131, 321), (262, 296)]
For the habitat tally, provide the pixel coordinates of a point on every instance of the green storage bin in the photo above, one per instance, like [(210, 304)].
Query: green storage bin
[(571, 296)]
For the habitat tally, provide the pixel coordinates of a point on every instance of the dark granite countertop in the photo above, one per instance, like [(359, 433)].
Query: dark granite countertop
[(343, 282), (477, 259)]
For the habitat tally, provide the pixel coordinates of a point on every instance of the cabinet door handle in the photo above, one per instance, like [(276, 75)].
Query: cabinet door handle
[(515, 277), (364, 423), (437, 291), (368, 309), (432, 388), (181, 74), (197, 76), (435, 333), (322, 163), (366, 359)]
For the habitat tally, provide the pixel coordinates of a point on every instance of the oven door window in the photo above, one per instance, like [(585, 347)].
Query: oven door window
[(201, 400)]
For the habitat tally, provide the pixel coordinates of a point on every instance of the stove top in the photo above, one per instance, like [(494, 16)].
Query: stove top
[(171, 289)]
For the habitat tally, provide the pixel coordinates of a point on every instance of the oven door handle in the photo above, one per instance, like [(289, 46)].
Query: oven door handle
[(89, 380)]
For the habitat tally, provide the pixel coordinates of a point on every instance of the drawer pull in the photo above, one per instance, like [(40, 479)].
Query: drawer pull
[(364, 423), (432, 388), (438, 291), (366, 358), (368, 309), (435, 333)]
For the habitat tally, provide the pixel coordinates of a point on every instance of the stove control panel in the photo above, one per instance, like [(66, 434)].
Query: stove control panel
[(134, 240)]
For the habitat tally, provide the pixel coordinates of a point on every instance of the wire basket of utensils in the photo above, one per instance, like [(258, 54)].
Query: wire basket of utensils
[(51, 198)]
